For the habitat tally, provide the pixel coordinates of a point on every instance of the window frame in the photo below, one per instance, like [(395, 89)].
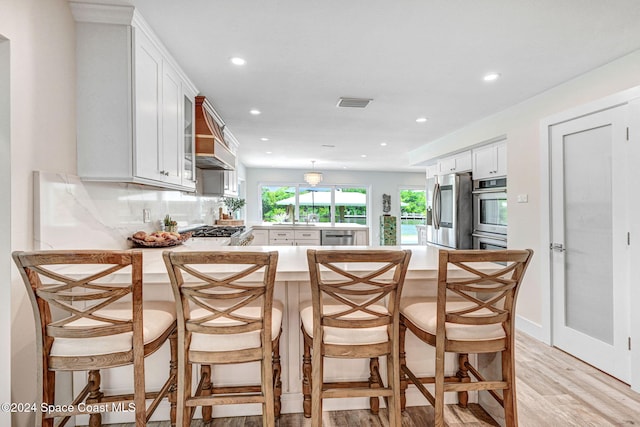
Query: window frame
[(332, 187)]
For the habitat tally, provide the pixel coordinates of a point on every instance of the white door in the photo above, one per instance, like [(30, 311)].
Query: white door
[(590, 259)]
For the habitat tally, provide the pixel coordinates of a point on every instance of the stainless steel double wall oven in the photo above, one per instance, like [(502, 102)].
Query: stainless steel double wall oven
[(490, 213)]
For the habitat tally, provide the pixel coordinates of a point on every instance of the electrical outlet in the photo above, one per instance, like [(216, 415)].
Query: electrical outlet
[(523, 198), (146, 215)]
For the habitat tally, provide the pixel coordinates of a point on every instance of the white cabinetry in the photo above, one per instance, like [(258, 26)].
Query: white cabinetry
[(131, 101), (307, 237), (281, 237), (300, 235), (432, 171), (260, 237), (457, 163), (490, 161), (362, 238)]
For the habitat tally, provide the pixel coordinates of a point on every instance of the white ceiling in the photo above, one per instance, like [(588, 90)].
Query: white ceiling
[(413, 57)]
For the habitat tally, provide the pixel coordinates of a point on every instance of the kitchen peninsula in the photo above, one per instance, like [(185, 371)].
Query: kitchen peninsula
[(292, 288), (69, 218)]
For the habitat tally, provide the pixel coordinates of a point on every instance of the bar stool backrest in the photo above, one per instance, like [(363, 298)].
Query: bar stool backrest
[(82, 293)]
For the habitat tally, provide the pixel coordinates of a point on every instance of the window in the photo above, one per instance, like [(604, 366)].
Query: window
[(413, 210), (351, 205), (314, 204), (278, 203), (329, 204)]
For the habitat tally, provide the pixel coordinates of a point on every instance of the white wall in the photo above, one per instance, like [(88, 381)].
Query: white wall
[(380, 182), (5, 230), (521, 124), (43, 128)]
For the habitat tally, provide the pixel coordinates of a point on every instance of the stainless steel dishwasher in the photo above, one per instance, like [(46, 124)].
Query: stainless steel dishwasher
[(337, 238)]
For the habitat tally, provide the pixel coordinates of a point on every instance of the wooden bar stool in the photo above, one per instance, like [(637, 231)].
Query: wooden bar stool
[(474, 312), (105, 324), (353, 314), (226, 315)]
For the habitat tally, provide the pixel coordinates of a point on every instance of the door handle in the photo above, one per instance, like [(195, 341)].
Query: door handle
[(436, 207), (558, 247)]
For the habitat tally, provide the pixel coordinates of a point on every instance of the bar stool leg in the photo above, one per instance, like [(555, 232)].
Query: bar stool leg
[(173, 371), (95, 420), (48, 388), (277, 382), (306, 380), (463, 377), (374, 382), (404, 384), (509, 394), (207, 411)]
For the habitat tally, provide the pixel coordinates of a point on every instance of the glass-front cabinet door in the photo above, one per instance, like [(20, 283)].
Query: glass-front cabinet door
[(188, 162)]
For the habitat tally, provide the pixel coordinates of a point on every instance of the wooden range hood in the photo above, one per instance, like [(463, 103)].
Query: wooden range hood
[(212, 152)]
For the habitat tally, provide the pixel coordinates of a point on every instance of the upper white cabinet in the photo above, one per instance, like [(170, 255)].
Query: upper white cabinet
[(490, 161), (457, 163), (135, 105), (432, 171)]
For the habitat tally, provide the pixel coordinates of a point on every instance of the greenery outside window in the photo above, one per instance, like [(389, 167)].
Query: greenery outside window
[(413, 210), (274, 202), (327, 204)]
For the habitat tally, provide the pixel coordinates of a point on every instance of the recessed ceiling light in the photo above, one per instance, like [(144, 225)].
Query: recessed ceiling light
[(384, 144), (363, 155), (255, 112), (264, 139), (268, 152), (491, 77), (236, 60), (421, 119)]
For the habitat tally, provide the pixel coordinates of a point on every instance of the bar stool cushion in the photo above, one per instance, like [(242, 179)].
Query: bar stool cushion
[(157, 317), (233, 342), (345, 336), (422, 313)]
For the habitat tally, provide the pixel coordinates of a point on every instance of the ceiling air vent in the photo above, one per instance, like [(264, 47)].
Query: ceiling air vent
[(353, 102)]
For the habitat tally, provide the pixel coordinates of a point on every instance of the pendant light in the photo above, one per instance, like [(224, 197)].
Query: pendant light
[(313, 178)]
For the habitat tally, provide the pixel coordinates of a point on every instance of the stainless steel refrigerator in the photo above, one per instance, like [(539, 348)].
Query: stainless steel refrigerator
[(450, 211)]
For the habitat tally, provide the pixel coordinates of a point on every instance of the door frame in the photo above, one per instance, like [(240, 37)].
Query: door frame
[(630, 97)]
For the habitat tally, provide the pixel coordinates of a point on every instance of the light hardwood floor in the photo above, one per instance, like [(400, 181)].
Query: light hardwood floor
[(554, 389)]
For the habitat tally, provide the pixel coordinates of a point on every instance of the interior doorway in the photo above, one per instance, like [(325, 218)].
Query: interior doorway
[(590, 259)]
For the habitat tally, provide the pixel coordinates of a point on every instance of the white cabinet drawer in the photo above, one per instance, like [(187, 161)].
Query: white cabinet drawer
[(307, 235), (281, 235)]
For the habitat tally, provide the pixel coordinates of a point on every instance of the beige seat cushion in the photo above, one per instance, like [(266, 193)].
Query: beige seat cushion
[(232, 342), (422, 313), (344, 336), (157, 317)]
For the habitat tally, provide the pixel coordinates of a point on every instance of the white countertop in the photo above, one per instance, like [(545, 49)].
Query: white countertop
[(292, 260)]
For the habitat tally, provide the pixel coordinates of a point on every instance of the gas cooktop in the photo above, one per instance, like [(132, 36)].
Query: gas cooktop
[(217, 231)]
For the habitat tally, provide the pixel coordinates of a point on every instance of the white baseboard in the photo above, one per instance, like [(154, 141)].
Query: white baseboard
[(531, 328)]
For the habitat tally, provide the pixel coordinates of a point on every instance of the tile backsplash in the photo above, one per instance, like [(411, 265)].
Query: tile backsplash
[(75, 214)]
